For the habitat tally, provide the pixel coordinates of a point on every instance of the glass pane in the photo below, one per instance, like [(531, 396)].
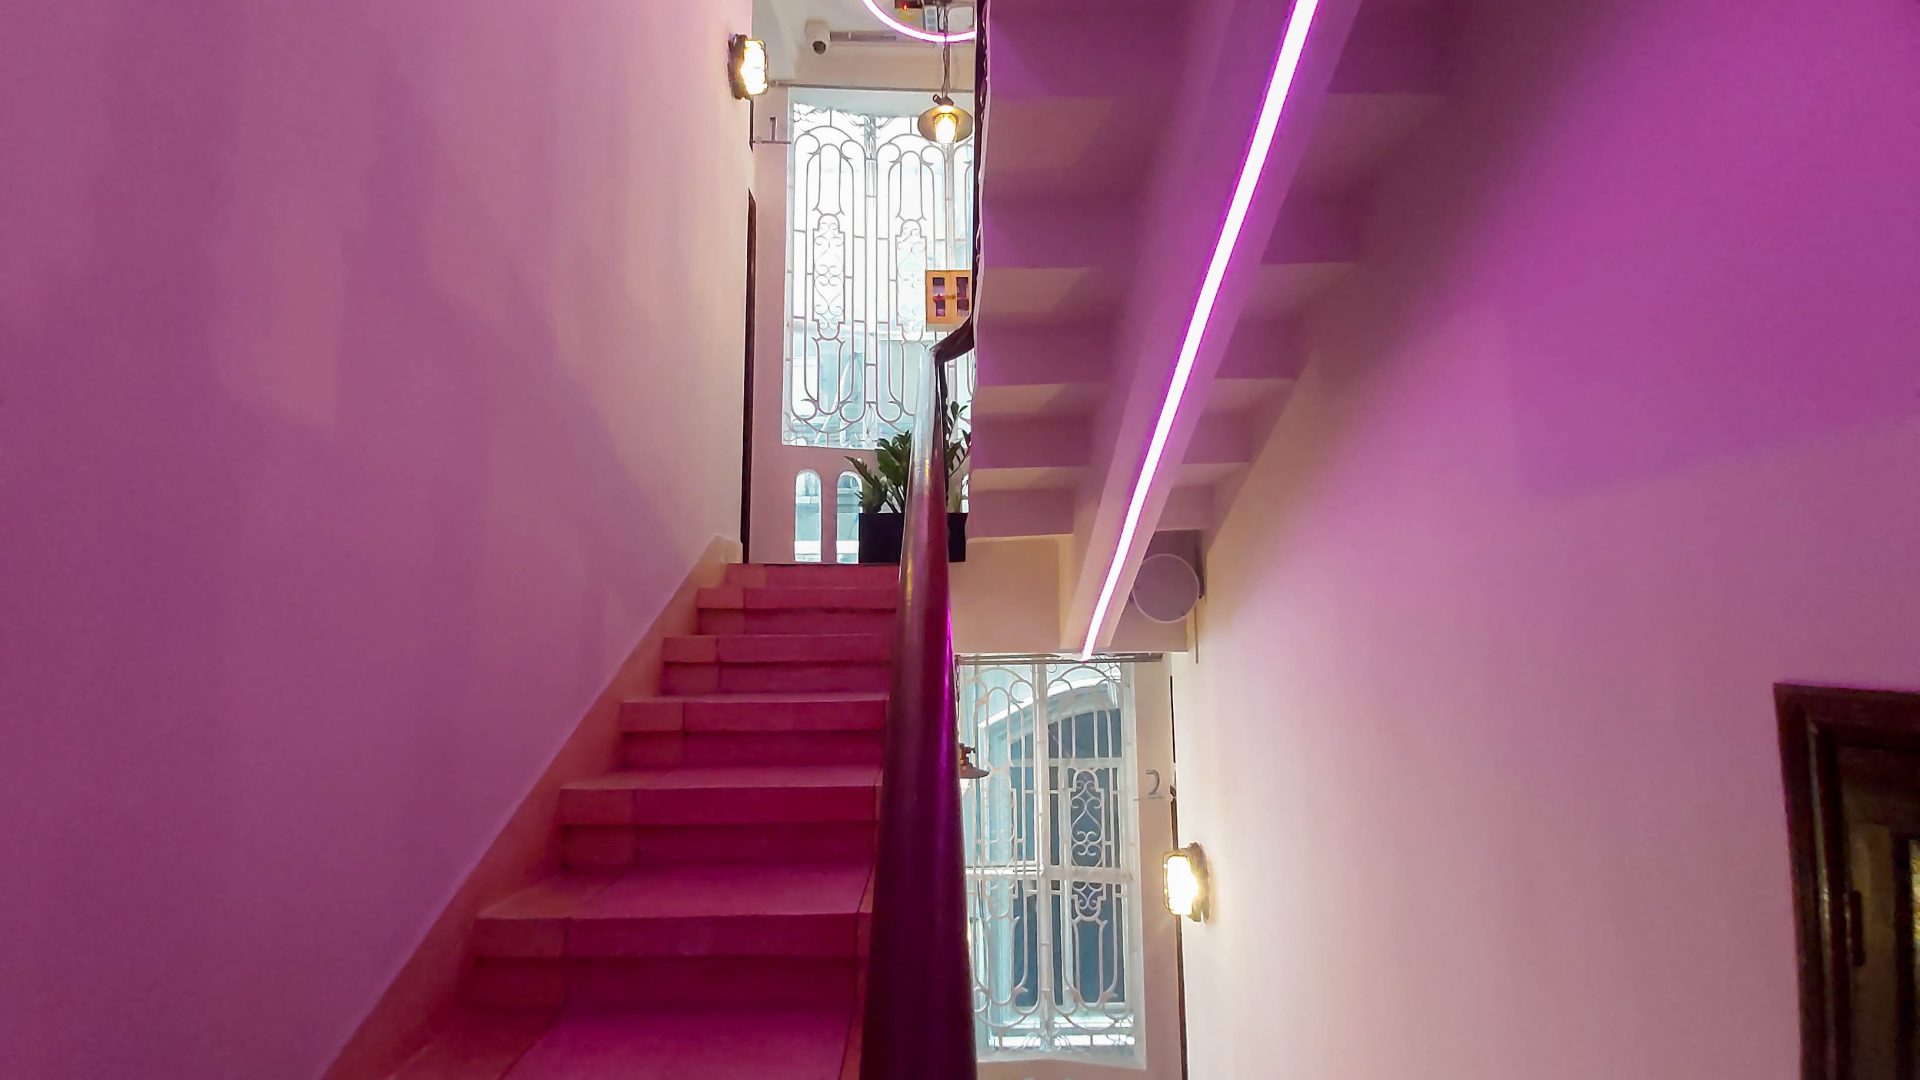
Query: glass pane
[(806, 517), (872, 207), (846, 523)]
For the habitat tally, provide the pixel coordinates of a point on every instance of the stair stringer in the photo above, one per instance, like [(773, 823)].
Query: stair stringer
[(424, 993)]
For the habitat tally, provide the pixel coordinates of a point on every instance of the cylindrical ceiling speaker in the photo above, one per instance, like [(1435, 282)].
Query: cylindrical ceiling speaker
[(1166, 587)]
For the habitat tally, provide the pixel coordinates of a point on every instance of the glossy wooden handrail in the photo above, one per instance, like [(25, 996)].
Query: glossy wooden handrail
[(919, 996), (918, 1021)]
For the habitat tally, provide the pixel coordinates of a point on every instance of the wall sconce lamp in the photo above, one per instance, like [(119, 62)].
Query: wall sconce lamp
[(747, 66), (1187, 883)]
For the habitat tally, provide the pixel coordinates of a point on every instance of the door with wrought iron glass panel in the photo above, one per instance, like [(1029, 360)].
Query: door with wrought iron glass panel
[(872, 207), (1053, 860)]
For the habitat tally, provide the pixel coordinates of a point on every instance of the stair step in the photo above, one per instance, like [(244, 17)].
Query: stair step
[(790, 598), (688, 910), (756, 713), (748, 678), (778, 648), (659, 750), (664, 982), (476, 1045), (753, 729), (616, 847), (807, 575), (723, 796), (795, 621), (654, 1044)]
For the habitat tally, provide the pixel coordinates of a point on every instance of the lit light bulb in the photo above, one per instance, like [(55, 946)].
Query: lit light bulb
[(946, 124), (750, 72), (753, 69), (1185, 873)]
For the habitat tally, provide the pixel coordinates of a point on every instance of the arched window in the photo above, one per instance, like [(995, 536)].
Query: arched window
[(846, 521), (806, 516)]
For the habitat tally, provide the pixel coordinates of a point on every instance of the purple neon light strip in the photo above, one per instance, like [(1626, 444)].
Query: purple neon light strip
[(1285, 67), (899, 27)]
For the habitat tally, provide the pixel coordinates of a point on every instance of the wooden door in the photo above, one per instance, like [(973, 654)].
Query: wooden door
[(1880, 818), (1851, 760)]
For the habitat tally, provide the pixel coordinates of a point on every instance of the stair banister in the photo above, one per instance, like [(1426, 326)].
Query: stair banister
[(918, 1020), (919, 995)]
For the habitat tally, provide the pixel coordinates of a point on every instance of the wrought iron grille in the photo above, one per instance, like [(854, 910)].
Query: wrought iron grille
[(871, 207), (1053, 868)]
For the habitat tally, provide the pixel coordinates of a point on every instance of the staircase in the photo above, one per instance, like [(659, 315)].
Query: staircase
[(710, 914)]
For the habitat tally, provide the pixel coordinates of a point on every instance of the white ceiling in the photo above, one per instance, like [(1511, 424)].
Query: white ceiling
[(873, 102), (780, 23), (840, 14)]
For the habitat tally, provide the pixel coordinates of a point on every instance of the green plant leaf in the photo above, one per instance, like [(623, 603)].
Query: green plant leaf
[(873, 489), (892, 457)]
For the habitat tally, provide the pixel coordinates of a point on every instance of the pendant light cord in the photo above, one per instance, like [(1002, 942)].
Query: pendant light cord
[(946, 56)]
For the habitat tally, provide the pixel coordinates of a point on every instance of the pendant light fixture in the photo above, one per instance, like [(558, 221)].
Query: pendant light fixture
[(946, 124)]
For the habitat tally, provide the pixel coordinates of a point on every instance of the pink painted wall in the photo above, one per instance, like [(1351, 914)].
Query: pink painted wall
[(370, 375), (1620, 425)]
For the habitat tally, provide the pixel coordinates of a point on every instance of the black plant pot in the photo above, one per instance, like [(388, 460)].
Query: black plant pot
[(880, 537)]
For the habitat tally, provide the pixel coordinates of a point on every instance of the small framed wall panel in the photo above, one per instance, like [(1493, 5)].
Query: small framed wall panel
[(949, 297)]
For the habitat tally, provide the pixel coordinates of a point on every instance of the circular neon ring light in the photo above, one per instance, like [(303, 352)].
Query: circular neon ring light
[(899, 27)]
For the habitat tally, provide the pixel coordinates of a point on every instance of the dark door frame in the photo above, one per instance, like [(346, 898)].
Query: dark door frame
[(746, 420), (1179, 924), (1815, 722)]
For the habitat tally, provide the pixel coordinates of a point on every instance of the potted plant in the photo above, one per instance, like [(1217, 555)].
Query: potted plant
[(883, 493)]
